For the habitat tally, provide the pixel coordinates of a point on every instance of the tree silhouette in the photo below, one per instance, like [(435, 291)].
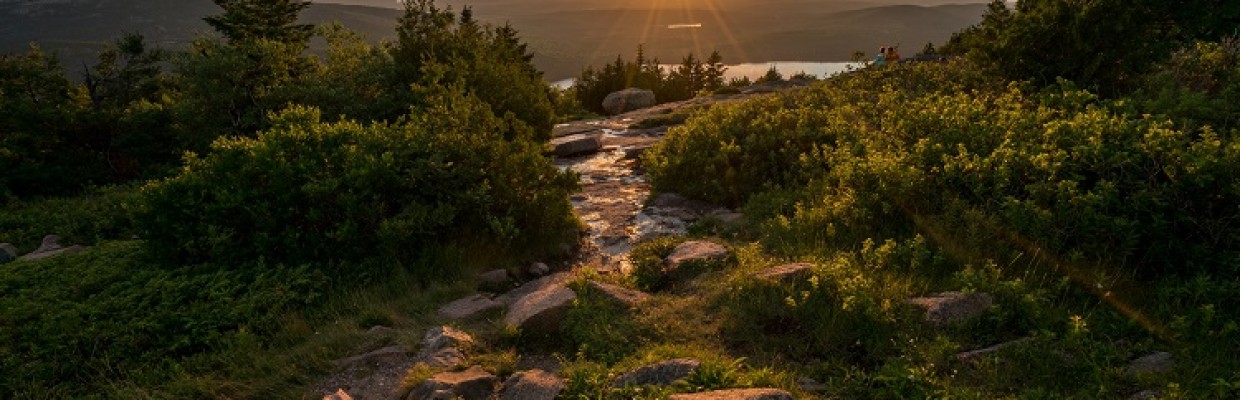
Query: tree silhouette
[(250, 20)]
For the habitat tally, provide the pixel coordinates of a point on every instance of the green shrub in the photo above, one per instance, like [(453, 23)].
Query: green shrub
[(102, 215), (756, 146), (936, 150), (73, 323), (847, 308), (661, 120), (647, 259), (686, 80), (650, 270), (598, 329), (324, 193), (1199, 85)]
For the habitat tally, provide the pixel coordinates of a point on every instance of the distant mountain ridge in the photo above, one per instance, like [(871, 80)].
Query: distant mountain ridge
[(566, 35)]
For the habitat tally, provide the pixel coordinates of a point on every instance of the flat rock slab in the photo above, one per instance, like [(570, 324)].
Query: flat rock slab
[(787, 273), (951, 307), (445, 336), (532, 385), (471, 384), (469, 307), (43, 255), (663, 373), (374, 375), (696, 250), (575, 145), (1156, 363), (574, 128), (555, 279), (736, 394), (541, 311), (620, 295), (441, 347), (497, 277)]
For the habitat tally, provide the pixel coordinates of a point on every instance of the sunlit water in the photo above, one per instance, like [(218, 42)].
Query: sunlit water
[(755, 70)]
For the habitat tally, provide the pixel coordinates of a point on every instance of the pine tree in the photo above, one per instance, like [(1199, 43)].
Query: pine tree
[(251, 20)]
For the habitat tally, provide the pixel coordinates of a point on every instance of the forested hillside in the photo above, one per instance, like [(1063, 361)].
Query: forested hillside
[(565, 36), (1050, 210)]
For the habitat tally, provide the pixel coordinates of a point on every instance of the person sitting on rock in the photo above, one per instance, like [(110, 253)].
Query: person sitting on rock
[(881, 58), (893, 55)]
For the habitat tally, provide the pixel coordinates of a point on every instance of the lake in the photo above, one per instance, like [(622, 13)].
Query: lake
[(755, 70)]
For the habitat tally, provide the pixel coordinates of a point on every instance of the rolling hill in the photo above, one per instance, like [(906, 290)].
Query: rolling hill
[(566, 35)]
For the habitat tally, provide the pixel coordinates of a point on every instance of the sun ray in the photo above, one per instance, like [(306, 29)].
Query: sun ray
[(725, 28), (651, 17)]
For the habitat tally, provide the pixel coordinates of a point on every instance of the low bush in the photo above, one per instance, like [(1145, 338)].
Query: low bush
[(598, 329), (325, 193), (937, 151), (74, 323), (104, 214), (846, 309)]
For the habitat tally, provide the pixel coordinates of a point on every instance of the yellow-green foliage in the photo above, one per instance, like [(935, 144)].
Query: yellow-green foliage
[(322, 193), (932, 149)]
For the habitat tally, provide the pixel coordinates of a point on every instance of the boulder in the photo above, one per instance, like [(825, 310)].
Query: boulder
[(787, 273), (447, 358), (441, 348), (647, 226), (574, 145), (374, 375), (620, 295), (51, 248), (628, 100), (532, 385), (696, 250), (541, 311), (1156, 363), (539, 269), (513, 295), (736, 394), (468, 308), (339, 395), (445, 336), (50, 243), (471, 384), (950, 307), (494, 278), (8, 253), (663, 373)]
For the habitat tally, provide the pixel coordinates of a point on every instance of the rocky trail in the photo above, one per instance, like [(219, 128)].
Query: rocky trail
[(605, 153), (616, 206)]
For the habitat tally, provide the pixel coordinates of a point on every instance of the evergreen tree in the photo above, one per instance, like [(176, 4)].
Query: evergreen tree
[(250, 20), (437, 47), (714, 71)]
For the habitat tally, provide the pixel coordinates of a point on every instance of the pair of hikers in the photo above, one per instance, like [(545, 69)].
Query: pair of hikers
[(887, 54)]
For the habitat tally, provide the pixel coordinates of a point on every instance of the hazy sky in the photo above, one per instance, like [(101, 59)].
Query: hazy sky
[(669, 3)]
